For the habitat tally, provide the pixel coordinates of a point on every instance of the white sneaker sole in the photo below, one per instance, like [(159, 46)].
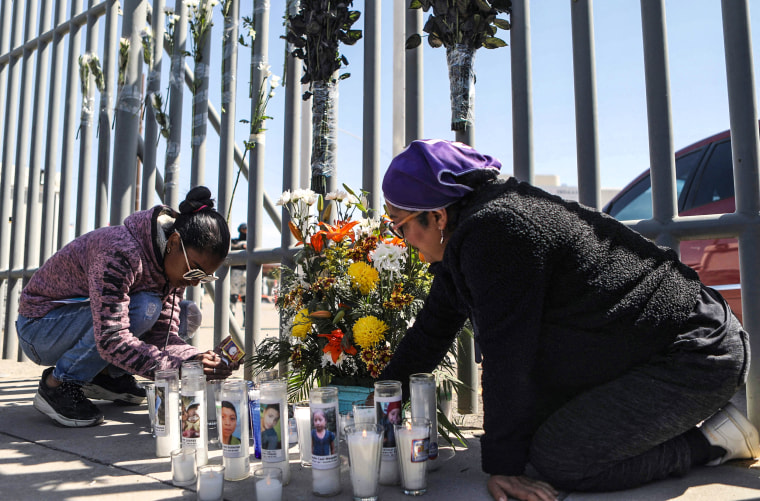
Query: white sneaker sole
[(44, 407), (747, 429), (95, 392)]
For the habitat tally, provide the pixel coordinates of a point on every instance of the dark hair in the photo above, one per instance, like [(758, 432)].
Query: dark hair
[(474, 179), (200, 226), (228, 405)]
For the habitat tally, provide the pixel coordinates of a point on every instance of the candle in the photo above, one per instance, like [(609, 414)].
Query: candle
[(150, 394), (412, 441), (183, 466), (365, 443), (273, 434), (423, 395), (364, 413), (268, 484), (210, 482), (234, 429), (167, 412), (325, 437), (194, 422), (303, 423), (388, 413)]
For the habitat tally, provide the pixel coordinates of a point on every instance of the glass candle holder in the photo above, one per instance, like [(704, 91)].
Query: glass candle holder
[(194, 422), (254, 415), (325, 438), (303, 423), (183, 466), (167, 412), (273, 435), (150, 397), (212, 387), (268, 484), (210, 485), (234, 429), (363, 412), (412, 441), (365, 444), (422, 388), (387, 414)]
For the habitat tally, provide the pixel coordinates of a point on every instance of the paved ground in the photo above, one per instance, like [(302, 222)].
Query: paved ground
[(116, 461)]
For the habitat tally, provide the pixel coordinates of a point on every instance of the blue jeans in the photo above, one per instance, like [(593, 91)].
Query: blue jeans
[(64, 337)]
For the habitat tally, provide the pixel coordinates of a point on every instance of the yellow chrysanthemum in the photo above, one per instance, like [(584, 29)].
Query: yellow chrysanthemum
[(363, 276), (368, 331), (301, 324)]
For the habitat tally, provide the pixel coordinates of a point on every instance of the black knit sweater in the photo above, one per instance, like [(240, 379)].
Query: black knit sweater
[(562, 298)]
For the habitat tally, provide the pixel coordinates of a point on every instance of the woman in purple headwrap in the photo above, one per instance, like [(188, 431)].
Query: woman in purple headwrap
[(601, 351)]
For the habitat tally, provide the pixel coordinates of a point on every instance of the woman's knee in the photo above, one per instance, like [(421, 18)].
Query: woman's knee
[(144, 310)]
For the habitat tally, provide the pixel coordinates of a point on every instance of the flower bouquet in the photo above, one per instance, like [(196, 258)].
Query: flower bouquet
[(346, 303)]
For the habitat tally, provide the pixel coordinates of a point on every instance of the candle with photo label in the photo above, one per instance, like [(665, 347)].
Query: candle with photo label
[(388, 413), (167, 412), (234, 429), (325, 437), (273, 434), (422, 388), (412, 440)]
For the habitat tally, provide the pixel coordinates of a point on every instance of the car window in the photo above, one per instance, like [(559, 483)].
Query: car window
[(717, 180), (636, 203)]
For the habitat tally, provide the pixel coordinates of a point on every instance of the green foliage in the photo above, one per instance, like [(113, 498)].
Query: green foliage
[(469, 22)]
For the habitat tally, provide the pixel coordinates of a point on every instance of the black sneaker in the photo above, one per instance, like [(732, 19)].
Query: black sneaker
[(122, 389), (66, 404)]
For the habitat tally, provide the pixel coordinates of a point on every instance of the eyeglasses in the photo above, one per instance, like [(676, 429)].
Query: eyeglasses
[(396, 229), (195, 273)]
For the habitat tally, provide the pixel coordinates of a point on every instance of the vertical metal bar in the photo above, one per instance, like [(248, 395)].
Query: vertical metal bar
[(522, 96), (39, 116), (305, 162), (5, 32), (105, 116), (85, 131), (69, 126), (292, 133), (148, 190), (18, 227), (414, 81), (371, 126), (7, 178), (173, 144), (584, 75), (399, 75), (742, 107), (52, 182), (661, 152), (227, 162), (259, 63), (128, 116)]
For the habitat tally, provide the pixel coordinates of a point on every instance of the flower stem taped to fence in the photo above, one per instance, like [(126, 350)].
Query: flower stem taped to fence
[(462, 84), (324, 130)]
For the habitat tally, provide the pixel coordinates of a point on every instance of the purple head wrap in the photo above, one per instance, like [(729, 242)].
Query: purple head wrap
[(423, 176)]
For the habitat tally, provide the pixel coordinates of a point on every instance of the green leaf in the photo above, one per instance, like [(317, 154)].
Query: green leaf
[(482, 5), (502, 24), (413, 41), (415, 4), (343, 76), (434, 41), (494, 43)]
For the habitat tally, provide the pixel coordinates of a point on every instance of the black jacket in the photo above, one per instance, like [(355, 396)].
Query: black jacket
[(562, 298)]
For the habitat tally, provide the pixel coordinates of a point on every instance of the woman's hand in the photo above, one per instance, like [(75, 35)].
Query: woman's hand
[(213, 366), (520, 487)]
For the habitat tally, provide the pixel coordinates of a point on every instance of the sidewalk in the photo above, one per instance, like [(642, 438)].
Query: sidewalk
[(116, 460)]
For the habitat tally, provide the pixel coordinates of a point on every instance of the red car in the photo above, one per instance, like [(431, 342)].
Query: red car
[(705, 185)]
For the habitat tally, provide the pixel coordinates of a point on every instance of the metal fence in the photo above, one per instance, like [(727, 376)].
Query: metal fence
[(42, 126)]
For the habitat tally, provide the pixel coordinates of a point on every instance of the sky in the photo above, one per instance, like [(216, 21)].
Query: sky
[(699, 103)]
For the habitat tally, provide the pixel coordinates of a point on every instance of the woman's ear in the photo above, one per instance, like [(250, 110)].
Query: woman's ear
[(441, 218)]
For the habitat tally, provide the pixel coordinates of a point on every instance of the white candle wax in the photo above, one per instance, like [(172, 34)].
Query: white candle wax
[(389, 474), (412, 473), (183, 469), (170, 439), (303, 422), (284, 467), (326, 482), (268, 489), (210, 485), (364, 450), (236, 468)]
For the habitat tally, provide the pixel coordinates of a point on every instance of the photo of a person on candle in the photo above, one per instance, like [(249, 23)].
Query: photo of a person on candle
[(229, 424), (601, 351), (270, 423), (391, 414), (322, 439), (191, 421), (106, 307)]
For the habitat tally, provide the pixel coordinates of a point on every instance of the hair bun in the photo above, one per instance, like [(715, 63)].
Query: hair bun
[(199, 198)]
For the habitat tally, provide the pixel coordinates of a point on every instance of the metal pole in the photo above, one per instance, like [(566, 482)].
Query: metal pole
[(306, 139), (371, 119), (7, 178), (292, 135), (85, 131), (148, 189), (69, 127), (522, 96), (399, 76), (414, 81), (584, 73), (661, 152), (171, 169), (105, 116), (742, 107), (18, 226)]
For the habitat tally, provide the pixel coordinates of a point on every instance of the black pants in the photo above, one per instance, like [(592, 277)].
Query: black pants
[(629, 431)]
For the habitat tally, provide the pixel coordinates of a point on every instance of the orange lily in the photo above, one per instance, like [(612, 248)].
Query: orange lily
[(335, 233), (334, 345)]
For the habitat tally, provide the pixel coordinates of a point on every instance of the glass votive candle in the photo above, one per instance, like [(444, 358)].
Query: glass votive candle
[(365, 445), (364, 413), (210, 482), (150, 396), (413, 442), (183, 466), (268, 484), (303, 423)]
